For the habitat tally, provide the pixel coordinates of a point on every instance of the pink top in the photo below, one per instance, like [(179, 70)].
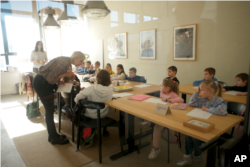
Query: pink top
[(173, 96)]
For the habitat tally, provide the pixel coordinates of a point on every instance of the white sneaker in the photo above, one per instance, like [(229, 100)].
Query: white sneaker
[(186, 160), (154, 153), (196, 159)]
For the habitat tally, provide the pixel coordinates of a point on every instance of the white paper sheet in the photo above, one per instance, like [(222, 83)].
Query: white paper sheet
[(65, 88), (196, 87), (127, 83), (122, 94), (153, 100), (142, 86), (232, 92), (199, 113)]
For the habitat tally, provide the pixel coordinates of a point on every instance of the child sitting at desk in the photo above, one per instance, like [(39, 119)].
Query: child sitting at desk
[(75, 88), (211, 102), (172, 71), (133, 76), (97, 67), (209, 74), (241, 84), (169, 92), (89, 69), (109, 69), (99, 92), (120, 73), (81, 68)]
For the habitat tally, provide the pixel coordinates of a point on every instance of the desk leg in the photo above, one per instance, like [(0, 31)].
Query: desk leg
[(184, 96), (131, 138), (211, 155), (59, 110)]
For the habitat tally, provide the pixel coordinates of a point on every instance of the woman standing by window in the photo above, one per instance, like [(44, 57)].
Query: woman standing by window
[(38, 57)]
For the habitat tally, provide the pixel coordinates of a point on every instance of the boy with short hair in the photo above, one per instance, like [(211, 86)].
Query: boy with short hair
[(88, 68), (172, 71), (133, 76), (241, 84), (81, 68), (209, 74), (97, 67)]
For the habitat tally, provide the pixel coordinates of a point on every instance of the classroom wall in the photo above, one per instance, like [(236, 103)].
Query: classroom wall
[(223, 37)]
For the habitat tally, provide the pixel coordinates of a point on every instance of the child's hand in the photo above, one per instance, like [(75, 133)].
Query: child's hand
[(241, 94), (77, 83), (92, 66), (61, 82), (166, 99), (224, 90), (82, 88), (205, 108), (199, 90)]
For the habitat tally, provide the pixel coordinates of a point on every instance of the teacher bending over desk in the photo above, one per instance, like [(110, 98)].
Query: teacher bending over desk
[(45, 83)]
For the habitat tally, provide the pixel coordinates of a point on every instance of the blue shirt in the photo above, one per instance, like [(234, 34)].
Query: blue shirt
[(82, 69), (197, 83), (136, 79)]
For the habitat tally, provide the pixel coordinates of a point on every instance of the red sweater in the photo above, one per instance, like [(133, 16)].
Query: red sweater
[(173, 96)]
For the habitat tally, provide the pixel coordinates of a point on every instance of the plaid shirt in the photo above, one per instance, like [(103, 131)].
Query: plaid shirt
[(54, 68)]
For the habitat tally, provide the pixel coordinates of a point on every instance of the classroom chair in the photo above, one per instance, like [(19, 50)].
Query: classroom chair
[(222, 83), (94, 123), (143, 79)]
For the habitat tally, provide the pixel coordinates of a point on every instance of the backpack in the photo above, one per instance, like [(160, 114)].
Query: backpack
[(32, 110), (173, 135)]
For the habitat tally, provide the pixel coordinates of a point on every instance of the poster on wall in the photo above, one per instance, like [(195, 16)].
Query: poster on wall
[(147, 44), (185, 42), (121, 46)]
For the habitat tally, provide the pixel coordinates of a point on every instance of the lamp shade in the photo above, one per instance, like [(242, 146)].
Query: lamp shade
[(64, 19), (96, 10), (50, 22)]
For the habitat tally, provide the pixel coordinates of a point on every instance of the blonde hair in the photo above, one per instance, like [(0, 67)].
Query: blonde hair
[(77, 54), (174, 86), (210, 84)]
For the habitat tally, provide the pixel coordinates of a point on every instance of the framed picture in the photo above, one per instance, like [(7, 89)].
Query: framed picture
[(121, 46), (147, 44), (185, 42)]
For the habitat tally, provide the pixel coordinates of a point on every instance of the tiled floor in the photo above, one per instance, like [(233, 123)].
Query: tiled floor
[(11, 157)]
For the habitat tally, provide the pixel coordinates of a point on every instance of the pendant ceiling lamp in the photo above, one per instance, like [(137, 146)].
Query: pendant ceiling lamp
[(50, 23), (96, 10), (4, 1), (66, 20)]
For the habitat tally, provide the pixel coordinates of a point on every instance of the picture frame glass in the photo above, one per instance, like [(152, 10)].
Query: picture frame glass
[(121, 45), (147, 44)]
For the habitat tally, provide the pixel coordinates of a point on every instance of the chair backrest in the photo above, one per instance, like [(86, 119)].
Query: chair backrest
[(235, 108), (143, 79), (222, 83), (91, 105)]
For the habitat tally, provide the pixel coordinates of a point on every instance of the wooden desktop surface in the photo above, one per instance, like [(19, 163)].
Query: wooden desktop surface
[(174, 121), (188, 89)]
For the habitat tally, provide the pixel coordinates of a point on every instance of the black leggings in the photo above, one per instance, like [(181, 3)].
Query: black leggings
[(46, 93)]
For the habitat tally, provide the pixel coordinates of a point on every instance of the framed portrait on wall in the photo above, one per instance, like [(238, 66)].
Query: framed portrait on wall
[(147, 44), (121, 46), (185, 42)]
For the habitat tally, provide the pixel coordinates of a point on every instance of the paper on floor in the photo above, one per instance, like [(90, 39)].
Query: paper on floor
[(153, 100), (65, 88), (122, 94), (232, 92), (142, 86), (199, 113)]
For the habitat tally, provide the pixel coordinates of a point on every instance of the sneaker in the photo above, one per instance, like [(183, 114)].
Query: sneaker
[(186, 160), (59, 140), (154, 153), (197, 159)]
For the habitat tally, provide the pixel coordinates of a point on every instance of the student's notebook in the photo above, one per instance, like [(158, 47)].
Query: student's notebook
[(122, 88), (181, 106), (139, 97)]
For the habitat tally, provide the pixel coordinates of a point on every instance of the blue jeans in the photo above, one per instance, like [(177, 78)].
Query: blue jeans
[(192, 144)]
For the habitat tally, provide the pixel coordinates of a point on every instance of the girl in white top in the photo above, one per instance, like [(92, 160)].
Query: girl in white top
[(38, 57), (120, 73)]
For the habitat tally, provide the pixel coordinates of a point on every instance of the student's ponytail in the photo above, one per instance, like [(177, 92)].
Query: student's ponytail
[(121, 67), (174, 86), (210, 84), (219, 91)]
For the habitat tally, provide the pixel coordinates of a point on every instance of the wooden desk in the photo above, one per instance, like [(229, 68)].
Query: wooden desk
[(188, 89), (175, 120)]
